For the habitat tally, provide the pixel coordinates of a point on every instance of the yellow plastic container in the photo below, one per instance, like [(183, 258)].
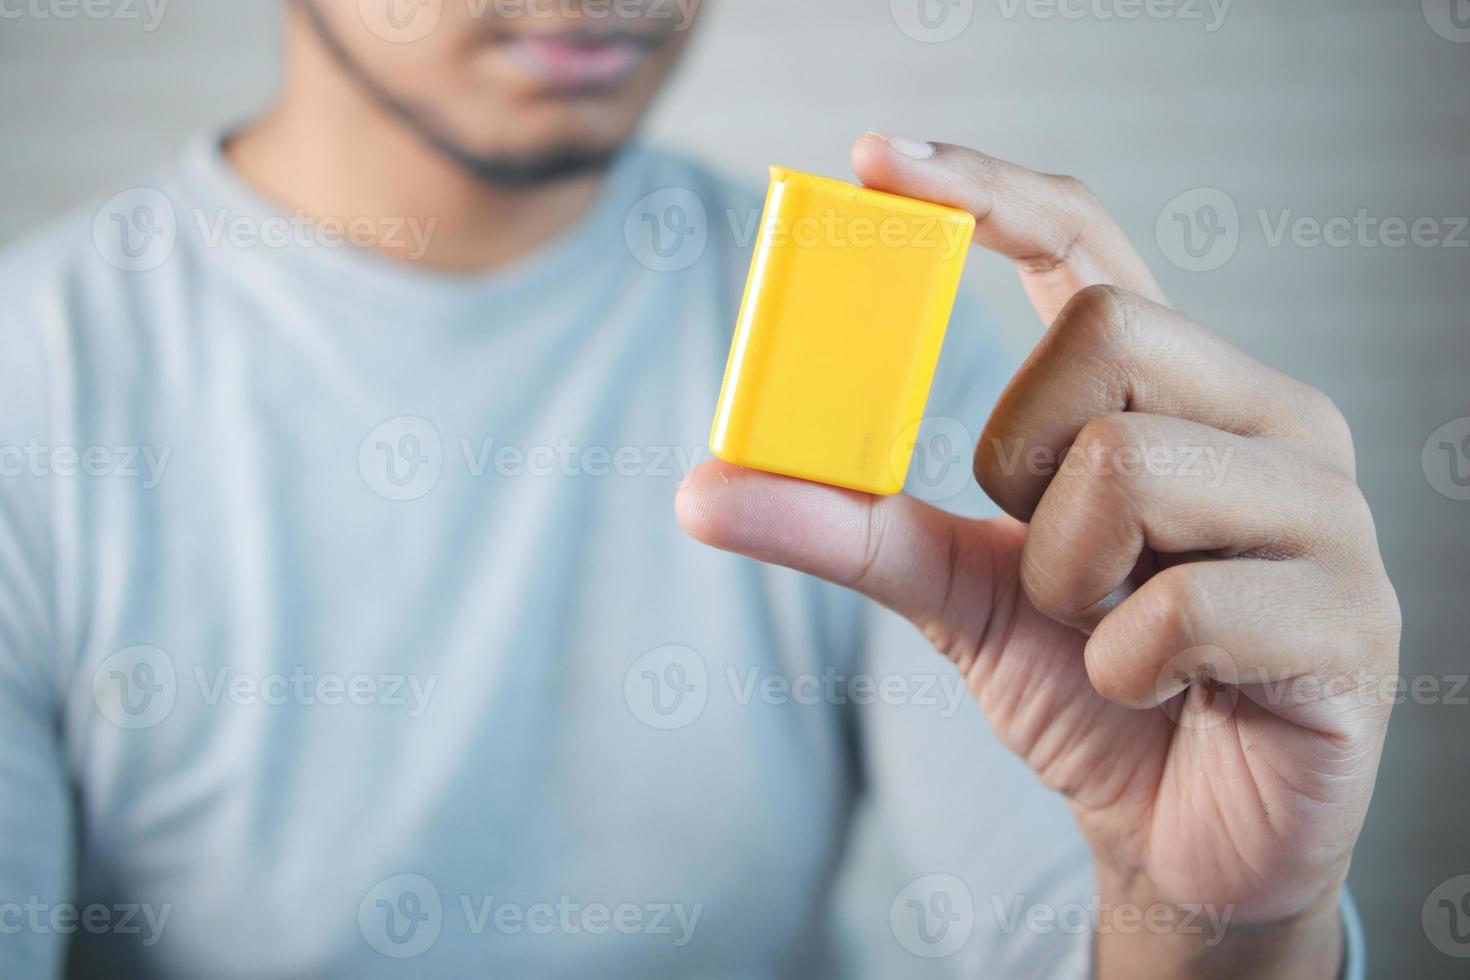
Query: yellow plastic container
[(845, 308)]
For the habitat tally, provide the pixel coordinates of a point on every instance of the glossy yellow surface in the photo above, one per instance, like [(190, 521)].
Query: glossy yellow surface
[(849, 294)]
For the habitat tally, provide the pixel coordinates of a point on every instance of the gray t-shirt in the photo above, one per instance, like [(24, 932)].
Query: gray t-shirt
[(346, 629)]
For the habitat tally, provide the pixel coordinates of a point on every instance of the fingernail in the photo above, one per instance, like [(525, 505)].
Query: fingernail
[(912, 148)]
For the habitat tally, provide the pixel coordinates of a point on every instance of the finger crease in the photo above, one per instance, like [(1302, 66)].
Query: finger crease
[(872, 545), (1044, 264), (954, 565)]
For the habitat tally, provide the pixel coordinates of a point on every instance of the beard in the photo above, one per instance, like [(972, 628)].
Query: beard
[(500, 170), (529, 170)]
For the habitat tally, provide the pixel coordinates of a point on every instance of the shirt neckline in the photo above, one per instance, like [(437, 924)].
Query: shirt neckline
[(352, 271)]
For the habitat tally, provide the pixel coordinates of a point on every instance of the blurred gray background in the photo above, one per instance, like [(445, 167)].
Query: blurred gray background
[(1312, 109)]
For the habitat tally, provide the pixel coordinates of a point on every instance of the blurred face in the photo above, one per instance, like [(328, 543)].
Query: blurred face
[(518, 91)]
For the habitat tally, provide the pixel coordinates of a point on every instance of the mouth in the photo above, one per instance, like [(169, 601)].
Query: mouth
[(580, 61)]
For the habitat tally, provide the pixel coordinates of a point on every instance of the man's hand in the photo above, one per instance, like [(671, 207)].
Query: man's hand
[(1193, 654)]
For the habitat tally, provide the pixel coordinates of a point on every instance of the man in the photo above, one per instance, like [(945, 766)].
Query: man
[(346, 628)]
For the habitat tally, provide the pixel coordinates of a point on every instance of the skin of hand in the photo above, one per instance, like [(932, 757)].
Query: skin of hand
[(1196, 664)]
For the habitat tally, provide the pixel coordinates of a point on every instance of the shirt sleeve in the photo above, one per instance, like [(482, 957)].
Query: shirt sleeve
[(36, 834)]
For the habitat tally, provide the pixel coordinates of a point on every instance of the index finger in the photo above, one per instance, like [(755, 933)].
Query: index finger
[(1055, 230)]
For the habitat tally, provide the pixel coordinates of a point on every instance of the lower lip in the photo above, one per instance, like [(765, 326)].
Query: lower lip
[(576, 66)]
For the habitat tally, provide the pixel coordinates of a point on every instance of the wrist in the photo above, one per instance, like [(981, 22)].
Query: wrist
[(1143, 935)]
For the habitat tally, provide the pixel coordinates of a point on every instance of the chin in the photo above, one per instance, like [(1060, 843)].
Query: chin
[(541, 128), (535, 162)]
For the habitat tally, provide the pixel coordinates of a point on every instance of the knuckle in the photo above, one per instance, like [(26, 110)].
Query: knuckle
[(1012, 466), (1048, 581), (978, 166), (1107, 464), (1326, 422), (1109, 434), (1173, 600), (1102, 318), (1177, 591), (1071, 198), (1344, 532), (1338, 491), (1393, 612), (1388, 619), (992, 466), (1321, 406), (1067, 584), (968, 164), (1124, 663), (1074, 190), (1369, 626), (1346, 513), (1379, 612)]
